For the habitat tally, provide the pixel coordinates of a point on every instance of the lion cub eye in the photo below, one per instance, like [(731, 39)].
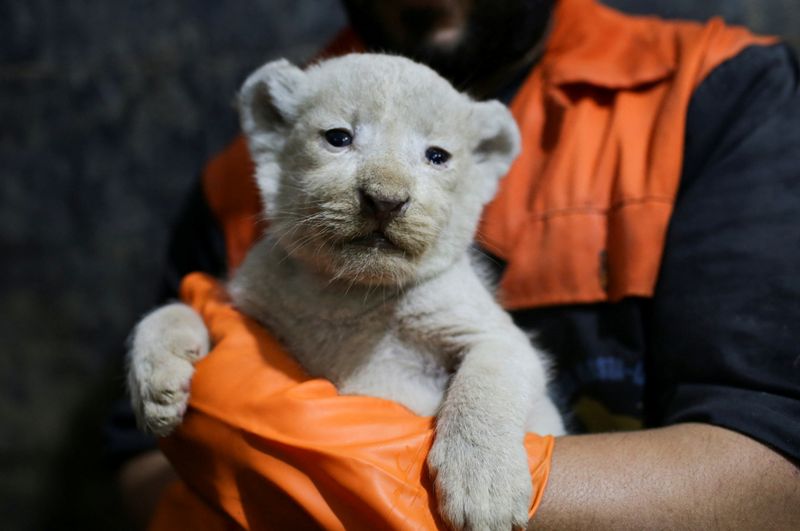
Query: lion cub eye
[(338, 137), (437, 156)]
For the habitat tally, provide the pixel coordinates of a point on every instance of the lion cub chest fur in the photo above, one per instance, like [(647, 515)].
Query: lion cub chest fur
[(400, 345)]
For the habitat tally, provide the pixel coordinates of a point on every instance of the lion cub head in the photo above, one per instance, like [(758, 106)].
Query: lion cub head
[(372, 168)]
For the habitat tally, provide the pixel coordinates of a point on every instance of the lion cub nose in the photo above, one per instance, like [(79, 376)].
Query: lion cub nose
[(380, 207)]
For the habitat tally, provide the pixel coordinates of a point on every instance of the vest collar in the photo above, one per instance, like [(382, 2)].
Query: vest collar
[(595, 45)]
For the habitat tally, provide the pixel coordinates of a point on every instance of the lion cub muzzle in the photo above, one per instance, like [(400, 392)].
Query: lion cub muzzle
[(380, 207)]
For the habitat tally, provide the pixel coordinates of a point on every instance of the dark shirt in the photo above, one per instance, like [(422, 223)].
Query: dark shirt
[(719, 342)]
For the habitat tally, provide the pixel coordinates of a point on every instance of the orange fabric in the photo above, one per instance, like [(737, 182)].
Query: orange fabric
[(271, 448), (583, 213), (179, 508)]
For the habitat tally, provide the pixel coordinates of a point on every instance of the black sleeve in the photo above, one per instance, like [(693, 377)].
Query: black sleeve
[(726, 314), (196, 244)]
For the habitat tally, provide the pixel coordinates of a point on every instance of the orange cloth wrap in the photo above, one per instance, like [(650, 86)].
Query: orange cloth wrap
[(263, 446)]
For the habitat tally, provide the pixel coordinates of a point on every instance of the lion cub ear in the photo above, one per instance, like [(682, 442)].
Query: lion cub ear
[(268, 103), (498, 140)]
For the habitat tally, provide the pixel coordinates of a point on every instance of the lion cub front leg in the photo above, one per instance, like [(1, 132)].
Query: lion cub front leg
[(164, 347), (478, 460)]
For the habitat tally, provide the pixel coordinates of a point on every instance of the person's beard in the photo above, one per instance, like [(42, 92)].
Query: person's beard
[(497, 33)]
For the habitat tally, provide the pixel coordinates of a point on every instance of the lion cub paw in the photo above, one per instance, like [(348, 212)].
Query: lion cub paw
[(481, 487), (164, 347)]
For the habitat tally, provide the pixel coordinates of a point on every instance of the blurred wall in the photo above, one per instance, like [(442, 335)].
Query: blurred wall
[(108, 110)]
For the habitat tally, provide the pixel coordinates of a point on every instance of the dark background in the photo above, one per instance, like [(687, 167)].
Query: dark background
[(108, 109)]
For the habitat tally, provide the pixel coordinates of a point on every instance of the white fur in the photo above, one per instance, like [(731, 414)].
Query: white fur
[(164, 346), (412, 324)]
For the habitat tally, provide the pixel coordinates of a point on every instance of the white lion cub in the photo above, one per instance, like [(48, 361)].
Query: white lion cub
[(373, 172)]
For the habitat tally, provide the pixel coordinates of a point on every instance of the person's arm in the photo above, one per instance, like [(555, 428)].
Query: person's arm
[(724, 358), (688, 476)]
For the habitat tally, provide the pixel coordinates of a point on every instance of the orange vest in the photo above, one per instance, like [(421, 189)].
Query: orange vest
[(582, 215)]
